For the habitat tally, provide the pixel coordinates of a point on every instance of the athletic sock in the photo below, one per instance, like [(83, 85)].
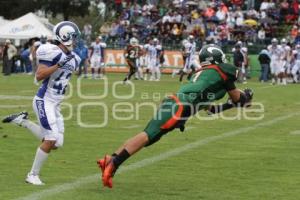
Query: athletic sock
[(34, 129), (284, 81), (158, 74), (40, 158), (119, 159)]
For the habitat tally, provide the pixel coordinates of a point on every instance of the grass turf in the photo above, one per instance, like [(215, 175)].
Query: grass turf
[(260, 164)]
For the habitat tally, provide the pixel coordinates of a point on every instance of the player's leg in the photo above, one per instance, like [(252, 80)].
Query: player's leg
[(147, 71), (193, 69), (279, 74), (98, 67), (295, 70), (273, 71), (186, 68), (132, 70), (157, 72), (21, 119), (93, 66), (46, 115), (140, 73), (167, 118), (284, 72), (85, 68), (152, 69)]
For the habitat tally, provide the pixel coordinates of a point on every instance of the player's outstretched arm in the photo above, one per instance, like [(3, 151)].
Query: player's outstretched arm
[(241, 98), (237, 98)]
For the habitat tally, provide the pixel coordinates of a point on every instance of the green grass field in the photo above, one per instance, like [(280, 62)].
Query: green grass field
[(213, 160)]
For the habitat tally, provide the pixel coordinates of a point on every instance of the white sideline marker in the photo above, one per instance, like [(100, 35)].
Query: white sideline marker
[(148, 161)]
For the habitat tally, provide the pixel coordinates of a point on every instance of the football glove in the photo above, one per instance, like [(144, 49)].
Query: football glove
[(249, 93)]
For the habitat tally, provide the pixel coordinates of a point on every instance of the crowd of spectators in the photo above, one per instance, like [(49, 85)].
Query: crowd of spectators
[(223, 22)]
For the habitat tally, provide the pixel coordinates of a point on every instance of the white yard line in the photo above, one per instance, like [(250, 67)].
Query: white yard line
[(149, 161), (15, 97), (296, 132), (132, 126), (14, 106)]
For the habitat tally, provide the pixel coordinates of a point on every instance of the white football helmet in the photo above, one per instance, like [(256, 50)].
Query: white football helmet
[(191, 38), (274, 41), (184, 42), (155, 41), (133, 41), (66, 33), (283, 41)]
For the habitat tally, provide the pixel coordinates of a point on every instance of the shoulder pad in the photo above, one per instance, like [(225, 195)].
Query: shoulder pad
[(78, 59), (103, 45), (229, 70), (48, 52)]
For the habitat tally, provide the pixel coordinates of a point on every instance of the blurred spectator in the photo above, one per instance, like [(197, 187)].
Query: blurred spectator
[(220, 21), (82, 51), (284, 8), (33, 55), (297, 39), (237, 3), (87, 32), (264, 60), (261, 35), (101, 8), (118, 7), (25, 57), (9, 52), (294, 32)]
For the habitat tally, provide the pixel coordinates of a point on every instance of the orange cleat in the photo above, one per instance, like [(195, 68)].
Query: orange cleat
[(108, 170)]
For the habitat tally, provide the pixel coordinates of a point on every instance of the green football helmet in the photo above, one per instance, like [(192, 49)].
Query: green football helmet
[(211, 54)]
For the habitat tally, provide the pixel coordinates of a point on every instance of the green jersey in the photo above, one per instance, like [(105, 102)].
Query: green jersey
[(208, 84)]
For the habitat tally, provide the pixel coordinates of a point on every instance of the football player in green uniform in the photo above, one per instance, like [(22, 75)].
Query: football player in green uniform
[(132, 53), (210, 83)]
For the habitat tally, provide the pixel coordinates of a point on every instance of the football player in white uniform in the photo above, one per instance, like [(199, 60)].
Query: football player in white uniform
[(190, 63), (154, 50), (56, 63), (97, 57), (276, 66), (296, 67), (285, 60)]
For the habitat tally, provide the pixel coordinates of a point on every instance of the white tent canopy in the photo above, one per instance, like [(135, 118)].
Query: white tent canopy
[(25, 27)]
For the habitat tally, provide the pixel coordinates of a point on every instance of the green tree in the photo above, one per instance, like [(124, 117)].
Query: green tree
[(66, 7), (11, 9)]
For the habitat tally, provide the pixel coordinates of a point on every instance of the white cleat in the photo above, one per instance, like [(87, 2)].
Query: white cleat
[(128, 82), (33, 179), (16, 118)]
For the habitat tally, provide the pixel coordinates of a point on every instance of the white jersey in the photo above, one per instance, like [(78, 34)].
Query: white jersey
[(189, 49), (275, 52), (98, 49), (152, 51), (286, 53), (54, 86), (296, 54)]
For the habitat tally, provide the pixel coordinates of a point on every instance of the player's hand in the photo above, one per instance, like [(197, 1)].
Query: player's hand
[(65, 60), (249, 93)]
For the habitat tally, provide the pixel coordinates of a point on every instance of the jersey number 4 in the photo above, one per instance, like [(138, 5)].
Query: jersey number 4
[(58, 85)]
